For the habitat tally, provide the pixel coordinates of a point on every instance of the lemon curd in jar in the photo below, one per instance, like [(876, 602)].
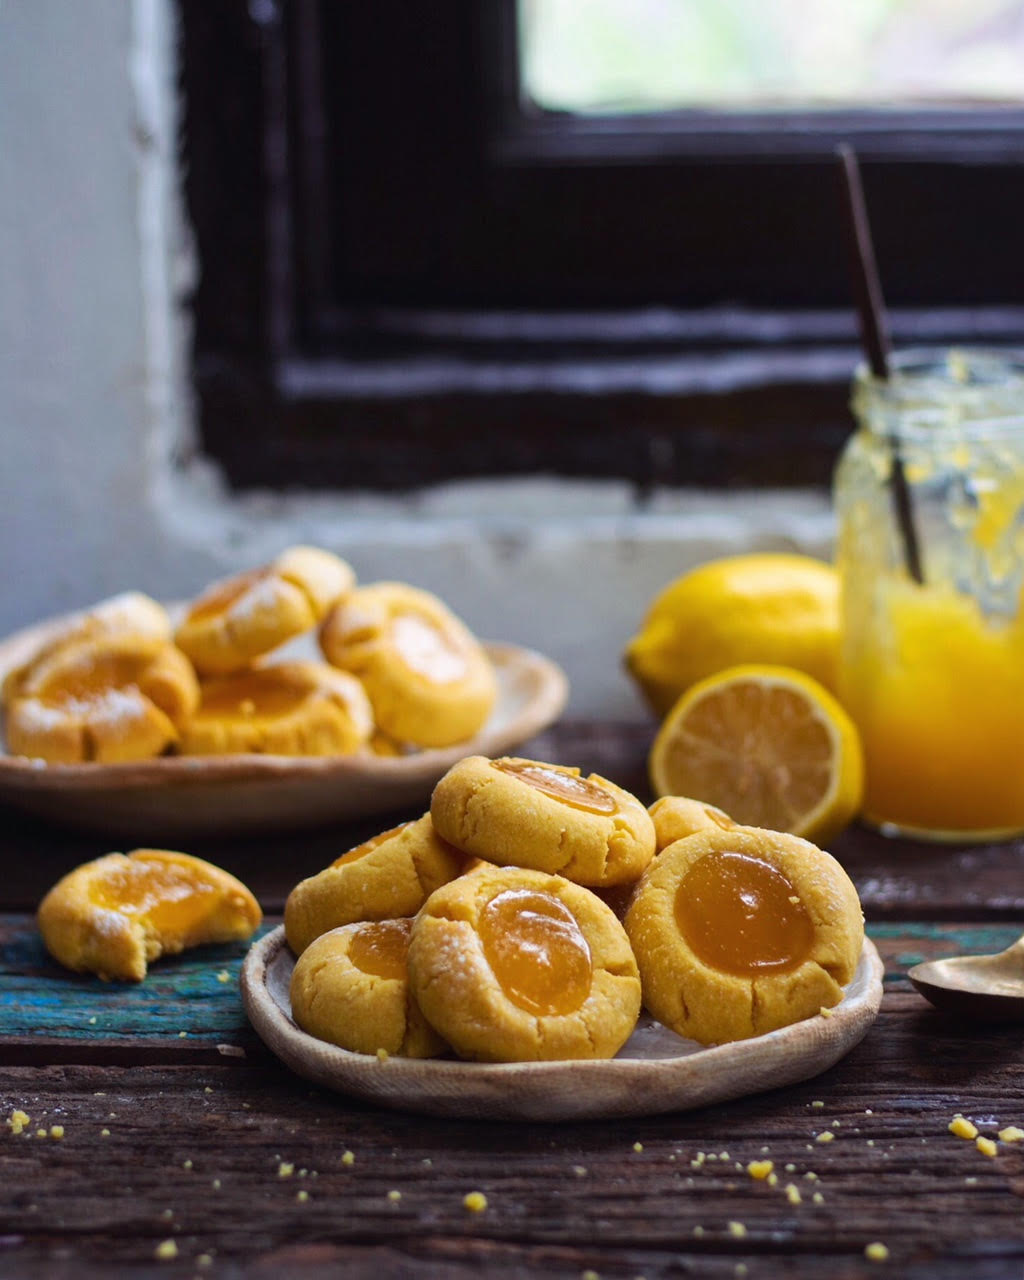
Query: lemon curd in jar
[(932, 671)]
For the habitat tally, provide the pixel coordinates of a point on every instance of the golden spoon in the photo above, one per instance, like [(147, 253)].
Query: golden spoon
[(990, 988)]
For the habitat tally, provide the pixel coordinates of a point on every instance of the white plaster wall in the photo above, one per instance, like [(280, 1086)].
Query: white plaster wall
[(94, 406)]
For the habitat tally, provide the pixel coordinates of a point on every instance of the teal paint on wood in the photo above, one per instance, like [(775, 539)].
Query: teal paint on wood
[(180, 993), (183, 993)]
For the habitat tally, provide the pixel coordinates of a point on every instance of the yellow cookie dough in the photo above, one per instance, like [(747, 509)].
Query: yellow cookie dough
[(739, 932), (105, 697), (350, 987), (130, 613), (390, 876), (429, 679), (113, 916), (676, 817), (240, 618), (288, 709), (545, 816), (510, 965)]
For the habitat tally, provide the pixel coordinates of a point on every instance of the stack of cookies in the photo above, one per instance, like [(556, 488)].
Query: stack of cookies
[(532, 912), (398, 672)]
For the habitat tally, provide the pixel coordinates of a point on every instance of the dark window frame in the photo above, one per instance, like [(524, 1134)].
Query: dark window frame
[(405, 277)]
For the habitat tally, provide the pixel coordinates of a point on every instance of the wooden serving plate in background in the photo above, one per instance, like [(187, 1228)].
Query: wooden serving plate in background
[(656, 1071), (178, 796)]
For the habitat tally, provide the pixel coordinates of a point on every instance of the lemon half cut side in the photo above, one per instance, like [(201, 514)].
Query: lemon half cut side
[(769, 745)]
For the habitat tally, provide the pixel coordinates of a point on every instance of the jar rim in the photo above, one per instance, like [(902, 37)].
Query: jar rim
[(937, 390)]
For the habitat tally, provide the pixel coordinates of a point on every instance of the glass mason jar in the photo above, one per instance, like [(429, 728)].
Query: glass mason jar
[(932, 655)]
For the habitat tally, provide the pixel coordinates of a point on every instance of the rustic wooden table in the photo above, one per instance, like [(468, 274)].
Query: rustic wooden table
[(187, 1149)]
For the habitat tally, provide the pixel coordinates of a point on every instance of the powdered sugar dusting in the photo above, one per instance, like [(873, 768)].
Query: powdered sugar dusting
[(262, 598)]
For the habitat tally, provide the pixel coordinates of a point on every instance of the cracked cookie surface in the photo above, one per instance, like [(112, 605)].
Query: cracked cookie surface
[(115, 915), (513, 965), (350, 987), (286, 708), (429, 679), (103, 697), (739, 932), (245, 616), (546, 817), (388, 876)]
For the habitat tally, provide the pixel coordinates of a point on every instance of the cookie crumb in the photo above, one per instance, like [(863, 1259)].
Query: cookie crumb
[(104, 1133), (347, 1157), (737, 1230), (166, 1250), (204, 1260), (474, 1201), (285, 1170), (759, 1169), (817, 1105), (638, 1146), (876, 1252), (818, 1198), (394, 1196), (1011, 1134), (825, 1012), (17, 1121), (383, 1055), (302, 1196), (960, 1127), (793, 1194), (986, 1146), (223, 976), (825, 1136)]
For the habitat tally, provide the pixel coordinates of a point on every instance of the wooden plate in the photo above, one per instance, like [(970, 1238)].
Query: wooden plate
[(175, 796), (656, 1070)]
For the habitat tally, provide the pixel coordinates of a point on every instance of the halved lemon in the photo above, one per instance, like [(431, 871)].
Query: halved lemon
[(769, 745)]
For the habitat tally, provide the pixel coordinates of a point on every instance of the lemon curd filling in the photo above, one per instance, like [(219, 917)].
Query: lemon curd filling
[(577, 792), (166, 897), (223, 595), (102, 672), (537, 951), (252, 696), (742, 916), (382, 948), (361, 850)]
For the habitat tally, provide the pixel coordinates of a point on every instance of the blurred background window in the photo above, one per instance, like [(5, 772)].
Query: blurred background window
[(593, 238), (611, 56)]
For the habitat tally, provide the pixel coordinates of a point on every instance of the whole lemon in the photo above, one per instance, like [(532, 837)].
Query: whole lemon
[(765, 608)]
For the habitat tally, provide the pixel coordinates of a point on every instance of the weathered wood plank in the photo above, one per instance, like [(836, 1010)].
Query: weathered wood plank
[(48, 1014), (623, 1198)]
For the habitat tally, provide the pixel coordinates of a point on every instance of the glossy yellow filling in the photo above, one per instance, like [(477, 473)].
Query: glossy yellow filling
[(566, 787), (382, 948), (537, 951), (741, 915)]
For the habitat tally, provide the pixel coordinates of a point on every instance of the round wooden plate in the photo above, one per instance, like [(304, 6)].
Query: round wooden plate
[(656, 1071), (179, 796)]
